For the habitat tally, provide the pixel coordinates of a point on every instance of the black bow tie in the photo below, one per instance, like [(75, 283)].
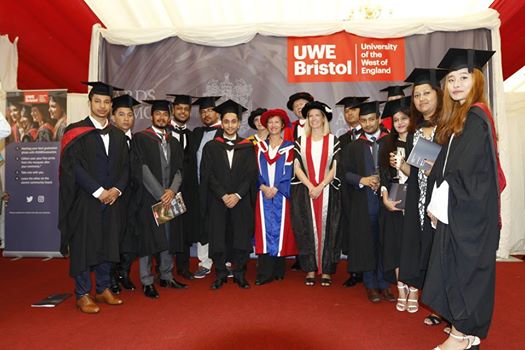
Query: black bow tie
[(104, 131)]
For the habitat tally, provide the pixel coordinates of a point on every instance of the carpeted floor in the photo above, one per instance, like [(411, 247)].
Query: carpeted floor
[(281, 315)]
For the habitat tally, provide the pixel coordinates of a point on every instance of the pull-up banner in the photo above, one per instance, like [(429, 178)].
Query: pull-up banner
[(344, 57), (37, 119)]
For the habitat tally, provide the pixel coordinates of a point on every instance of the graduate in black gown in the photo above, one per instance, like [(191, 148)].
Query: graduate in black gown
[(464, 205), (156, 164), (181, 112), (392, 150), (394, 92), (360, 166), (427, 102), (193, 223), (123, 117), (94, 173), (228, 176), (351, 114)]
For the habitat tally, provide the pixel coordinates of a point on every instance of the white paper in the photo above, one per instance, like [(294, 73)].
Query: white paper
[(438, 205)]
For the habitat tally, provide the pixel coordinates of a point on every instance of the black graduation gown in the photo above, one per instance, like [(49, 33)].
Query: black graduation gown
[(461, 273), (218, 179), (145, 151), (128, 240), (390, 222), (90, 231), (302, 220), (346, 138), (193, 224), (359, 240), (416, 243)]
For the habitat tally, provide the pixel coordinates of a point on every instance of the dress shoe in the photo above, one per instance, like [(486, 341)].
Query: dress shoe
[(387, 295), (296, 265), (350, 282), (260, 282), (150, 291), (185, 274), (107, 297), (115, 288), (218, 283), (87, 305), (126, 283), (373, 295), (172, 284), (241, 282)]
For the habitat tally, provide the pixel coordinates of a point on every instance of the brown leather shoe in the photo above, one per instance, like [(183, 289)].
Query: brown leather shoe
[(107, 297), (387, 295), (87, 305), (373, 295)]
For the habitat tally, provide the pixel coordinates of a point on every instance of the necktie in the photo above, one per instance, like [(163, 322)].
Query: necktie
[(164, 145), (354, 134), (375, 151), (182, 135)]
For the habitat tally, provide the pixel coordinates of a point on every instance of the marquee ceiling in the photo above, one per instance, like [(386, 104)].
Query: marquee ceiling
[(54, 36)]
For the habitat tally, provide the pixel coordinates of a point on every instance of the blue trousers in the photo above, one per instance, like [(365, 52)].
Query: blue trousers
[(102, 279), (374, 279)]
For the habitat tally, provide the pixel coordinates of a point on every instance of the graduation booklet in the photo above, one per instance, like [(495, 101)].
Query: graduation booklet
[(423, 150), (163, 214), (52, 300), (398, 192)]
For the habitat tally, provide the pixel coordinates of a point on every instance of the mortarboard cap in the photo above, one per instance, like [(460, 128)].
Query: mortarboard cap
[(465, 58), (206, 101), (230, 106), (317, 105), (123, 101), (181, 99), (395, 90), (100, 88), (351, 101), (420, 76), (369, 107), (297, 96), (394, 106), (159, 105), (253, 114)]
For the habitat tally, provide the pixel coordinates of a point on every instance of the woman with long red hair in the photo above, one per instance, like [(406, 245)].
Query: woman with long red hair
[(464, 204)]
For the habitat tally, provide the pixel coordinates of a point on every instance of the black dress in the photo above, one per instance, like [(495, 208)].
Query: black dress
[(390, 222), (461, 274)]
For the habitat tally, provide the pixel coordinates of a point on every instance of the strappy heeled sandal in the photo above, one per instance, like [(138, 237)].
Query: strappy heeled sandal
[(412, 308), (472, 341), (402, 302), (326, 282)]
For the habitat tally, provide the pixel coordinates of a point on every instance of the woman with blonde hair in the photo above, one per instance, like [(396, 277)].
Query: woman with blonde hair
[(315, 195), (464, 204)]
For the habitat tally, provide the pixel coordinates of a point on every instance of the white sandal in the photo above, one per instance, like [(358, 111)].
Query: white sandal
[(402, 302), (412, 308), (472, 340)]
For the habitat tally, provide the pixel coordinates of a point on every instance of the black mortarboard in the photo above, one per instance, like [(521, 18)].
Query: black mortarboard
[(317, 105), (297, 96), (369, 107), (394, 106), (253, 114), (100, 88), (181, 99), (420, 76), (230, 106), (351, 101), (124, 101), (206, 102), (159, 105), (465, 58), (395, 90)]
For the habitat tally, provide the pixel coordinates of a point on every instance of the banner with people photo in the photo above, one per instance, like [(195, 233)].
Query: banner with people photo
[(38, 119), (265, 71)]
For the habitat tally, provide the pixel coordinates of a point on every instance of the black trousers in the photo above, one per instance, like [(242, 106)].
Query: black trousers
[(239, 259), (270, 267)]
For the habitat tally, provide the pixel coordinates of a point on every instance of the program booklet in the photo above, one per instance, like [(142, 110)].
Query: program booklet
[(52, 300), (398, 192), (423, 150), (163, 215)]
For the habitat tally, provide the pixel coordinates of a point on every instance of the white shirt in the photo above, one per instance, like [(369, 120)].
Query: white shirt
[(272, 152), (230, 152), (317, 152), (300, 128), (105, 140)]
